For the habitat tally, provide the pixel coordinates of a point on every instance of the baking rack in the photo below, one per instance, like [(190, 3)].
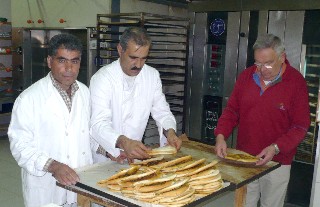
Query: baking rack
[(306, 151)]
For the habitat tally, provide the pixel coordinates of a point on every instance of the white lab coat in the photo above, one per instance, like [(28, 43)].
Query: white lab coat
[(41, 127), (121, 110)]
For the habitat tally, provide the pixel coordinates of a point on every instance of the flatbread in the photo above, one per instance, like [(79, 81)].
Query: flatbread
[(194, 164), (246, 158), (154, 187), (200, 177), (174, 162), (176, 167), (203, 168), (136, 177), (175, 192), (163, 178), (122, 173), (175, 185), (166, 150), (150, 161)]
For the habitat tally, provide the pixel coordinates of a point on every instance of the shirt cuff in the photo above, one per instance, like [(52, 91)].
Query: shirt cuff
[(48, 163), (169, 123), (102, 151)]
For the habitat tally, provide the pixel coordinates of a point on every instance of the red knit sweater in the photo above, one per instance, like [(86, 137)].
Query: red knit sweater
[(280, 115)]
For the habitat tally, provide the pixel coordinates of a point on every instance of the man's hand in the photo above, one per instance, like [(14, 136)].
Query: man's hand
[(173, 140), (133, 149), (63, 173), (120, 159), (221, 146), (266, 154)]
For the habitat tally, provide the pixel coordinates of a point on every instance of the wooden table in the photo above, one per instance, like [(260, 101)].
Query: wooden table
[(237, 175)]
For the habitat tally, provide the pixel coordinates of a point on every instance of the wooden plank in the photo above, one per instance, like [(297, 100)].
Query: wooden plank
[(240, 196), (83, 201)]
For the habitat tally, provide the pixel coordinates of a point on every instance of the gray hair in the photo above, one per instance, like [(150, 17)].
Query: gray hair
[(137, 34), (269, 41), (64, 41)]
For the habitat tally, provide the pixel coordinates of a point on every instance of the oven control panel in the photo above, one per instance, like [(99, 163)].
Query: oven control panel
[(215, 70)]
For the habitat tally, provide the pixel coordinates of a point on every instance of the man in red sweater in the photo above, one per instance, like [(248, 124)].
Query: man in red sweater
[(269, 104)]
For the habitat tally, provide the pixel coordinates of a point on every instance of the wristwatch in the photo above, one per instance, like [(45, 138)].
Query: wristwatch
[(277, 150)]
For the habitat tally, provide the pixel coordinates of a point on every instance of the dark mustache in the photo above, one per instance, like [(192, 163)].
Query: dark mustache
[(136, 68)]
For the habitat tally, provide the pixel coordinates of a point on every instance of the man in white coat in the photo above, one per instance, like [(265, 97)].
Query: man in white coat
[(49, 128), (123, 94)]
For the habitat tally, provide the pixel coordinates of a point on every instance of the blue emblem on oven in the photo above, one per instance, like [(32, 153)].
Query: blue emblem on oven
[(217, 27)]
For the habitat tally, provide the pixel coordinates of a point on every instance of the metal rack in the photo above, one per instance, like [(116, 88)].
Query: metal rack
[(6, 92), (168, 55), (307, 149), (6, 51)]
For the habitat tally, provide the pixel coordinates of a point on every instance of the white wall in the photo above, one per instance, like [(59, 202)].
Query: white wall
[(5, 9), (21, 11), (76, 13), (131, 6)]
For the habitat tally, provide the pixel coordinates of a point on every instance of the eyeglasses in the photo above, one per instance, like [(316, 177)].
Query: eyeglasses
[(62, 60), (266, 65)]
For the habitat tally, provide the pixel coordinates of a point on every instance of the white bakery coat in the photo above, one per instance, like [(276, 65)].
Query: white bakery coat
[(121, 110), (41, 127)]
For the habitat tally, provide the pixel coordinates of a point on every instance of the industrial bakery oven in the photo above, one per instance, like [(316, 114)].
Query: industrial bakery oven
[(221, 48)]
